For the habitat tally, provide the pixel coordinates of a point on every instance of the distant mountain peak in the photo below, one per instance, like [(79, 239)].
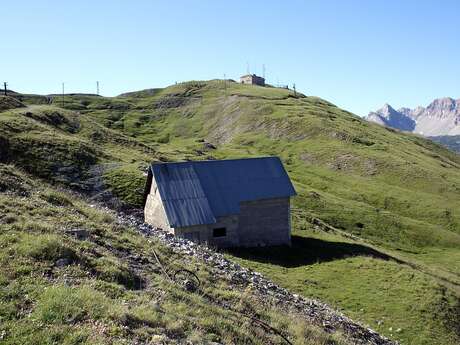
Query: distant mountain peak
[(443, 104), (388, 109), (440, 117), (388, 116)]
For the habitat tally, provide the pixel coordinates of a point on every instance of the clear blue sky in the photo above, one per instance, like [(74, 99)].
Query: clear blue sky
[(356, 54)]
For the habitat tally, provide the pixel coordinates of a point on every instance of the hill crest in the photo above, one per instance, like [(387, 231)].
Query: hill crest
[(374, 186)]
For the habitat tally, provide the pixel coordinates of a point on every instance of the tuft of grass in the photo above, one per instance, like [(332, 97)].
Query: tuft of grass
[(110, 270), (12, 181), (56, 198), (47, 247), (68, 305)]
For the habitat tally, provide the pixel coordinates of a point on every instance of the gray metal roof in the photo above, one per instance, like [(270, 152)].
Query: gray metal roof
[(198, 192)]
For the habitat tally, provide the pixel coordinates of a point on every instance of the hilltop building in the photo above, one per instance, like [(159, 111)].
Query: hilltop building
[(226, 203), (252, 79)]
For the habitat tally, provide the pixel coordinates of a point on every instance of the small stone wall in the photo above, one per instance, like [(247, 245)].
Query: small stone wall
[(265, 222), (230, 223)]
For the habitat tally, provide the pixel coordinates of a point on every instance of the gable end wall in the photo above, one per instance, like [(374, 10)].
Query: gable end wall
[(154, 212)]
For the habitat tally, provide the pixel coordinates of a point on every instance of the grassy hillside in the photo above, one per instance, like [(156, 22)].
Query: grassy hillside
[(396, 190), (392, 298), (106, 288), (450, 141), (398, 195)]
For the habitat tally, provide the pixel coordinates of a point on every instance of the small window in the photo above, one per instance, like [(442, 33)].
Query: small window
[(219, 232)]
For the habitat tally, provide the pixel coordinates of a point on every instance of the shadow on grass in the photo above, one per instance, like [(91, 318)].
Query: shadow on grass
[(305, 251)]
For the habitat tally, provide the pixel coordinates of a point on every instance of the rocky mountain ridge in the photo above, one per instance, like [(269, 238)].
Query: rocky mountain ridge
[(440, 117)]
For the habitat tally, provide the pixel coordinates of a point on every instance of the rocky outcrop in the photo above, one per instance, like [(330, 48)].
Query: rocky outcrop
[(441, 117)]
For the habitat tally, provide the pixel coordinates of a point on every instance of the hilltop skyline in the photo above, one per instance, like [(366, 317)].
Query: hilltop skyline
[(355, 55)]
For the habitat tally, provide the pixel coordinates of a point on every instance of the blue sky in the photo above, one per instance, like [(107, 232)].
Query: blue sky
[(356, 54)]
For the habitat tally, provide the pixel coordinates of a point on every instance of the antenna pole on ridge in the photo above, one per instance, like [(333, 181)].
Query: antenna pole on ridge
[(4, 87), (263, 71), (63, 101), (97, 88)]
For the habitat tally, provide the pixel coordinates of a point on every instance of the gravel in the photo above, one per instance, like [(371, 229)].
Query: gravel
[(312, 310)]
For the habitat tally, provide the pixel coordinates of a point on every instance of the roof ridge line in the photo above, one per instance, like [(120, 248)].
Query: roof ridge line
[(215, 160)]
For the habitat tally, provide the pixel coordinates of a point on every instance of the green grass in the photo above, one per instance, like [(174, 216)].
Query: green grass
[(97, 298), (404, 189), (62, 304), (396, 300), (127, 183), (399, 193)]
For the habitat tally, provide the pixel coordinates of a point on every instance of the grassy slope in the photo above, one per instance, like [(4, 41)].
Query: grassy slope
[(396, 300), (100, 297), (450, 141), (398, 192)]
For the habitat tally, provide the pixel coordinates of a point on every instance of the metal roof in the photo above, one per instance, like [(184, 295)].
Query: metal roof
[(198, 192)]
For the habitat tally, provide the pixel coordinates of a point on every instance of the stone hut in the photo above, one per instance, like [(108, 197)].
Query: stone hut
[(252, 79), (225, 203)]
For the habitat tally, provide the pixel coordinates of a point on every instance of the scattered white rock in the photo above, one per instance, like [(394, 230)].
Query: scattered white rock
[(62, 262), (314, 311)]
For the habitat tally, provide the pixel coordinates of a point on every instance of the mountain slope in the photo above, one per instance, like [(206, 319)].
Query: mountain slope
[(394, 192), (366, 167), (441, 117), (450, 141), (71, 273)]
